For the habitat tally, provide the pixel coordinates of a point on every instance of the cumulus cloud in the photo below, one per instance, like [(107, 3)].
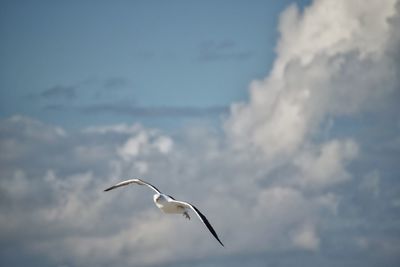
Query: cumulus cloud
[(57, 197), (323, 69), (61, 205), (286, 174), (142, 142), (327, 166)]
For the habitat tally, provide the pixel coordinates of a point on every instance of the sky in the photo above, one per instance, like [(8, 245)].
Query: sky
[(75, 63), (279, 120)]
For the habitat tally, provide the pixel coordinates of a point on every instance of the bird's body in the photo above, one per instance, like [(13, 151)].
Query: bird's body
[(169, 205)]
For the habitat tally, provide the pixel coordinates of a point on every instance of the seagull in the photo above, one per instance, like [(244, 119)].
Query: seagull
[(168, 204)]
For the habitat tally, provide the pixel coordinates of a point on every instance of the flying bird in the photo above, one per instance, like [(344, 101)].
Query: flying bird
[(168, 204)]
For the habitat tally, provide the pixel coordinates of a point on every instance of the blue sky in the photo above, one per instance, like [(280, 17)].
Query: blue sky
[(279, 120), (151, 54)]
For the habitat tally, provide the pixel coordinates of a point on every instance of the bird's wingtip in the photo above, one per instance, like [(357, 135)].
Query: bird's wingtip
[(219, 241)]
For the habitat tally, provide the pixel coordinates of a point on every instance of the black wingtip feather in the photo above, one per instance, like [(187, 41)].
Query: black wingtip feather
[(207, 223), (108, 189)]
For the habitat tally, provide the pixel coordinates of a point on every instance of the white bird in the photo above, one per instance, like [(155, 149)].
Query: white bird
[(168, 204)]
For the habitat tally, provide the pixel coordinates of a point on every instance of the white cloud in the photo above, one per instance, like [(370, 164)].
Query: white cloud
[(322, 69), (116, 128), (163, 144), (306, 238), (35, 129), (142, 142), (133, 146), (333, 28), (327, 166)]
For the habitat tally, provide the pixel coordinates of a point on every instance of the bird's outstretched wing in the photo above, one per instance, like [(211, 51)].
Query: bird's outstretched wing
[(201, 216), (133, 181)]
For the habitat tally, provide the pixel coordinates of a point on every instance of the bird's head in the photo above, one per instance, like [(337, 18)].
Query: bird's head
[(156, 197)]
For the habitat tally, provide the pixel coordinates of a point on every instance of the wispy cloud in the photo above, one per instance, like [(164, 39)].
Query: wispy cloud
[(222, 50), (60, 92), (132, 110), (155, 111), (112, 87), (116, 83)]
